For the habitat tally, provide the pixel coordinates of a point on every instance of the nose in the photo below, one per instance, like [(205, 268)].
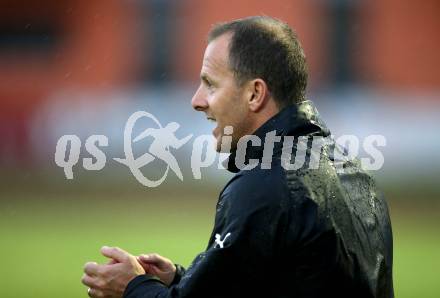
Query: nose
[(199, 102)]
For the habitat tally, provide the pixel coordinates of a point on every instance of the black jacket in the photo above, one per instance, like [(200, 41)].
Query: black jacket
[(291, 233)]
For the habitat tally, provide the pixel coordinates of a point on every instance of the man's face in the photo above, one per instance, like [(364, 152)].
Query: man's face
[(219, 95)]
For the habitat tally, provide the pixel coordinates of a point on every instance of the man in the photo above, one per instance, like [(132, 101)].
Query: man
[(306, 232)]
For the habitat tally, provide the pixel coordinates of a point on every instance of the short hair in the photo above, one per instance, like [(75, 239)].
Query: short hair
[(266, 48)]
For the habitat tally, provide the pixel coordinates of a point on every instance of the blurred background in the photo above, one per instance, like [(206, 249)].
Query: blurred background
[(83, 67)]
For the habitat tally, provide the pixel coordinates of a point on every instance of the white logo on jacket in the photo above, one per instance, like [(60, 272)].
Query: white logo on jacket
[(218, 240)]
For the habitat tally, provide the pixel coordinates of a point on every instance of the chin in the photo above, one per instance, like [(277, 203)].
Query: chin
[(218, 145)]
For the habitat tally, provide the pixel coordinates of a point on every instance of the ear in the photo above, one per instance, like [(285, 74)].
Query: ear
[(258, 94)]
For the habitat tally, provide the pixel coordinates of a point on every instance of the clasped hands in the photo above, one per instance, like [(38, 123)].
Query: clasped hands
[(110, 280)]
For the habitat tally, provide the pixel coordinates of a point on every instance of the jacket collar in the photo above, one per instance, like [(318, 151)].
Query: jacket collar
[(294, 120)]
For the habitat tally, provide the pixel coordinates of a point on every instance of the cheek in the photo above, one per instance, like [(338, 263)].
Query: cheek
[(219, 107), (228, 108), (238, 120)]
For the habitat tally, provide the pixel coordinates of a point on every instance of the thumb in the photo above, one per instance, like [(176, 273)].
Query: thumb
[(147, 266), (115, 253), (154, 259)]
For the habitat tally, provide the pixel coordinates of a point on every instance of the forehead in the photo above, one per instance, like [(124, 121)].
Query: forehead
[(215, 59)]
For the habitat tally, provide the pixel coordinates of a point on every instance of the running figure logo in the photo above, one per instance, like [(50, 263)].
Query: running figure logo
[(220, 242), (164, 138)]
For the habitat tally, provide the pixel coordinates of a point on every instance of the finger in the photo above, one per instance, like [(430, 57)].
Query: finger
[(145, 265), (94, 293), (115, 253), (89, 281), (151, 258), (91, 268)]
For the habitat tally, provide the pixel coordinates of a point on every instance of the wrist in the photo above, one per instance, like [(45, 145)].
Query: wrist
[(179, 271)]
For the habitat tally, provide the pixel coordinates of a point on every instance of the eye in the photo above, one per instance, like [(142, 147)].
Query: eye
[(207, 82), (209, 85)]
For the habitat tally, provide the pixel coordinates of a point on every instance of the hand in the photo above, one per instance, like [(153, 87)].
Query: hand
[(110, 280), (159, 266)]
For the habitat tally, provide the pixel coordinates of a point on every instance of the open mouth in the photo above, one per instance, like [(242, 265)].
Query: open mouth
[(211, 119)]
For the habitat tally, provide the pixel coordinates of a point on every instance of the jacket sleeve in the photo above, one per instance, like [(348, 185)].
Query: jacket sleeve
[(240, 252), (180, 271)]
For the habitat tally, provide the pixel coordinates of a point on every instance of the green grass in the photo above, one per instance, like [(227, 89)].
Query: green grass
[(46, 241), (416, 256)]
